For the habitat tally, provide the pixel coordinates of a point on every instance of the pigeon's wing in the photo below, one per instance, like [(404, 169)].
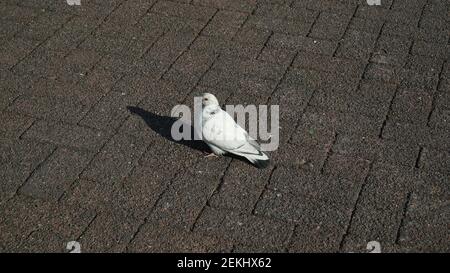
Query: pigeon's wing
[(223, 132)]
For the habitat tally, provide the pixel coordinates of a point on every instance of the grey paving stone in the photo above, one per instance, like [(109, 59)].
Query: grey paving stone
[(435, 160), (238, 5), (424, 227), (149, 239), (356, 45), (302, 43), (241, 187), (56, 174), (413, 107), (18, 160), (183, 10), (261, 232), (109, 232), (293, 27), (184, 200), (113, 162), (379, 212), (90, 194), (374, 149), (65, 134), (225, 24), (13, 125), (416, 134)]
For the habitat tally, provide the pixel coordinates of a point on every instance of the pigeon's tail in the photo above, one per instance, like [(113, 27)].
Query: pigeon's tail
[(260, 160)]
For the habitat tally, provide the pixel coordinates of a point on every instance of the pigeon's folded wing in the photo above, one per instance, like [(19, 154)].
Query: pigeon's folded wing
[(223, 132)]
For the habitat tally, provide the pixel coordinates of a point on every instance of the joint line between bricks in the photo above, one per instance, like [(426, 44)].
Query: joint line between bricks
[(433, 100), (347, 230), (39, 44), (329, 153), (34, 171), (265, 189), (146, 218), (402, 220), (190, 44), (214, 192)]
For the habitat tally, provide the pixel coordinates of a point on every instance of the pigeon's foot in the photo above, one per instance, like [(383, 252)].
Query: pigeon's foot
[(211, 155)]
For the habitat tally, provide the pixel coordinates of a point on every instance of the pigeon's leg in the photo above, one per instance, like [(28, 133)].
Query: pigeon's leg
[(211, 155)]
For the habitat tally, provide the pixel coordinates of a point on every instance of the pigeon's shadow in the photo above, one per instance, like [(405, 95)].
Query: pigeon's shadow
[(162, 125)]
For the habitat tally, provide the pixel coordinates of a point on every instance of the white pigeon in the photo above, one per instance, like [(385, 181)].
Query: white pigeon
[(223, 135)]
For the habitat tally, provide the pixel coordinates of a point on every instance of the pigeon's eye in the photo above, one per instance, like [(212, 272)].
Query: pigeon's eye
[(206, 98)]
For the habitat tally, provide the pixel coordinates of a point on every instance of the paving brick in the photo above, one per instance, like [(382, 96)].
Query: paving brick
[(115, 159), (56, 108), (171, 45), (25, 216), (239, 84), (258, 69), (330, 6), (193, 63), (106, 45), (348, 167), (224, 24), (424, 228), (416, 134), (434, 160), (412, 79), (391, 50), (240, 228), (111, 111), (308, 79), (302, 43), (234, 5), (329, 64), (65, 134), (284, 11), (379, 212), (69, 36), (393, 152), (43, 239), (157, 238), (45, 25), (292, 27), (411, 107), (13, 125), (16, 49), (413, 32), (430, 49), (394, 16), (440, 115), (345, 123), (325, 223), (181, 10), (56, 174), (184, 200), (240, 187), (109, 232), (277, 55), (91, 194), (372, 98), (329, 26), (159, 24), (19, 159), (356, 45), (17, 13), (369, 25)]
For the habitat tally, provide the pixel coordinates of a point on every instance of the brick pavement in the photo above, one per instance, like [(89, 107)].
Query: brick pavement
[(365, 125)]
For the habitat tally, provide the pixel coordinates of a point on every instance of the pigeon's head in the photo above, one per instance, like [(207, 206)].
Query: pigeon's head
[(209, 99)]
